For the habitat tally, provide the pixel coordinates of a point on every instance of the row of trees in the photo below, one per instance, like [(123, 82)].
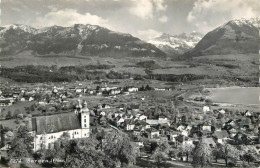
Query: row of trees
[(203, 154), (32, 74)]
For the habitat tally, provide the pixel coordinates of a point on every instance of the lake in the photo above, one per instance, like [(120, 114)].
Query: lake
[(236, 95)]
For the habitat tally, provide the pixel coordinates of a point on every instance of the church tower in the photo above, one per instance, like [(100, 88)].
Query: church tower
[(84, 113)]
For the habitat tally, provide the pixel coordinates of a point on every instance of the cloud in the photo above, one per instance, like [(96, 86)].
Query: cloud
[(69, 17), (163, 19), (145, 9), (159, 5), (147, 34), (142, 9), (207, 15)]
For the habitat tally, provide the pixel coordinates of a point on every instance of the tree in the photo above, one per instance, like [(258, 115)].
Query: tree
[(249, 154), (161, 152), (82, 153), (228, 152), (142, 88), (9, 115), (208, 102), (119, 147), (216, 152), (16, 112), (202, 155), (100, 136), (47, 98), (187, 149), (213, 121), (32, 107), (147, 87), (21, 146)]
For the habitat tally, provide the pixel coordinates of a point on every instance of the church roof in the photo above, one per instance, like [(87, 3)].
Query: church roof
[(55, 123)]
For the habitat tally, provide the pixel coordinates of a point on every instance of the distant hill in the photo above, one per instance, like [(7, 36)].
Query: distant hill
[(77, 40), (176, 44), (234, 37)]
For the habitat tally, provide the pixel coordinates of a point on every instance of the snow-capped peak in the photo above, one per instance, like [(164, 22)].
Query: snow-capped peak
[(177, 43), (24, 28), (252, 22)]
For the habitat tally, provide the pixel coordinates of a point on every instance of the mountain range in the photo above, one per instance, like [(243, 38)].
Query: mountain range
[(174, 45), (234, 37), (76, 40)]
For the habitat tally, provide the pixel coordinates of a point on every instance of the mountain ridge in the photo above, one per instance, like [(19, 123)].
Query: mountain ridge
[(79, 39), (239, 36)]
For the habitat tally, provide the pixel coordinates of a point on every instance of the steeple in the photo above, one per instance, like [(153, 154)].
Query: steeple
[(84, 114), (85, 108)]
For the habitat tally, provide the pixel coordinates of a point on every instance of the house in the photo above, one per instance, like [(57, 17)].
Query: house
[(157, 122), (55, 90), (6, 101), (119, 121), (162, 117), (205, 109), (187, 142), (102, 113), (105, 106), (139, 144), (231, 122), (118, 114), (181, 127), (248, 113), (159, 89), (129, 124), (15, 94), (31, 99), (143, 124), (185, 133), (221, 136), (209, 141), (206, 127), (142, 117), (134, 106), (172, 137), (133, 89), (241, 138), (91, 92), (48, 129), (115, 91), (222, 111), (103, 120), (154, 133)]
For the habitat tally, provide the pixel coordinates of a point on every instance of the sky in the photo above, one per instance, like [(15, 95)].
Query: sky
[(142, 18)]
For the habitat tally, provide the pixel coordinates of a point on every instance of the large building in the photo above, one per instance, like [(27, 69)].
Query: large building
[(48, 129)]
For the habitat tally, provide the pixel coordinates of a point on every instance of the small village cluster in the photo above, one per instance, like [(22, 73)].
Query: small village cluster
[(52, 111)]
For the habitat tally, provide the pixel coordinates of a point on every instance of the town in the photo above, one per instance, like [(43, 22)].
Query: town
[(113, 123)]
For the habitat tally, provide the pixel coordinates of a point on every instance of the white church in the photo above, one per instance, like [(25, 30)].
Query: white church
[(48, 129)]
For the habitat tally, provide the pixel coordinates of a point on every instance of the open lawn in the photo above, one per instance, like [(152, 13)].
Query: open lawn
[(17, 107)]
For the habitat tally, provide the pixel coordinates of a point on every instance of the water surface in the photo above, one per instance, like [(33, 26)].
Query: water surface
[(246, 96)]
